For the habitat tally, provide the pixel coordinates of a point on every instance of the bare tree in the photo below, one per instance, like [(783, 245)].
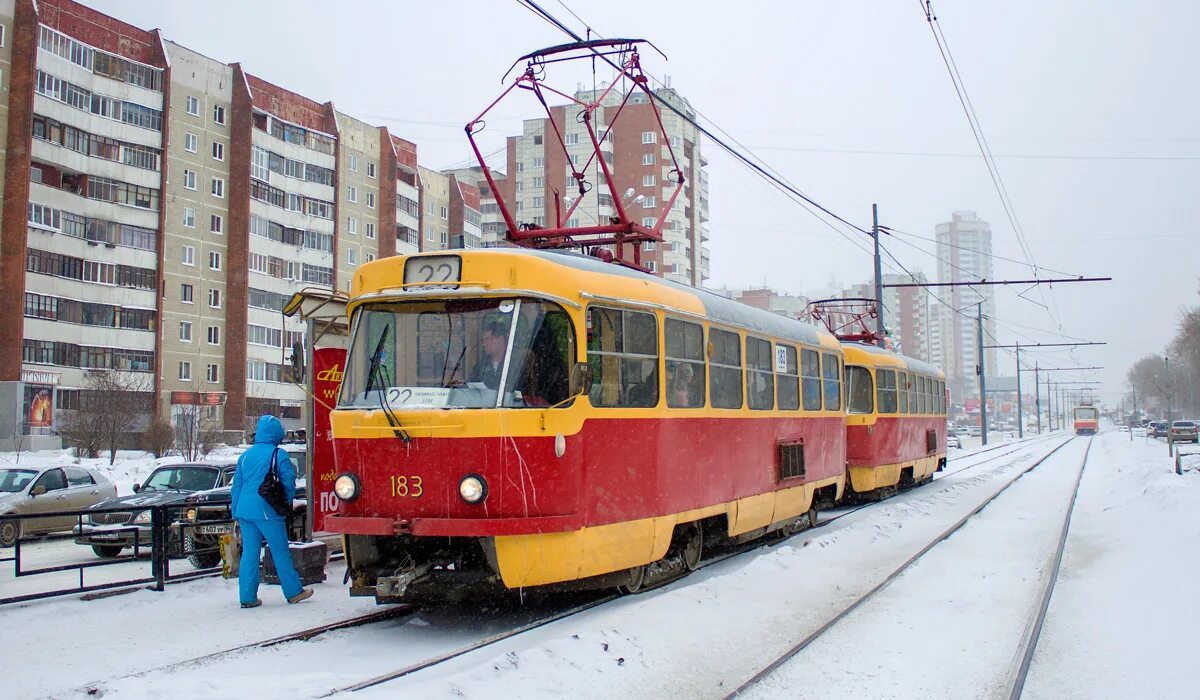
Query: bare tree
[(196, 435), (15, 435), (122, 401), (159, 438)]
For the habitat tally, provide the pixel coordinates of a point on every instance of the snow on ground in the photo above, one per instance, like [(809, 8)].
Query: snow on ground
[(1114, 616), (951, 625), (1123, 620)]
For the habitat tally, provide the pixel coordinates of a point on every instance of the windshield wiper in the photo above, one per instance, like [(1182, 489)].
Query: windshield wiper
[(376, 369)]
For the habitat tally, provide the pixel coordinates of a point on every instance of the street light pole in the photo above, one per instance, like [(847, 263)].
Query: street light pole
[(1037, 398), (879, 325)]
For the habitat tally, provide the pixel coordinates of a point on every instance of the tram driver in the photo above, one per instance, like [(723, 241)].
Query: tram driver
[(494, 339)]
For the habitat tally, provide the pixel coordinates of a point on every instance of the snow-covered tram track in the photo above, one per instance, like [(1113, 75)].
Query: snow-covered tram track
[(756, 685)]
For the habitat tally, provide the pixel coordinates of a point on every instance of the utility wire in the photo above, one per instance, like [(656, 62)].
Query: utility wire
[(891, 230)]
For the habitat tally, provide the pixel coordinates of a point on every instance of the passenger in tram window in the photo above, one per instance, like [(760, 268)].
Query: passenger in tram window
[(495, 342), (679, 380)]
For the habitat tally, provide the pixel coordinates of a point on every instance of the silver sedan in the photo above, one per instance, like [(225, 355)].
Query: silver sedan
[(33, 490)]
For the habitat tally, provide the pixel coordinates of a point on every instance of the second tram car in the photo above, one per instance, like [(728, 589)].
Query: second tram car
[(896, 420), (519, 418), (1087, 419)]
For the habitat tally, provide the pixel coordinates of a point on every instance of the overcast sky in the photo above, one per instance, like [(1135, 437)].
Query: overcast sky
[(1090, 107)]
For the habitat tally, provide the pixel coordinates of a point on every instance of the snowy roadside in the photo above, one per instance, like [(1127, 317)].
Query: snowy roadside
[(1123, 620), (130, 466)]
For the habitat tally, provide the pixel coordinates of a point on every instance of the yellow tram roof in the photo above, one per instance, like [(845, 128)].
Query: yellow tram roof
[(578, 279), (875, 356)]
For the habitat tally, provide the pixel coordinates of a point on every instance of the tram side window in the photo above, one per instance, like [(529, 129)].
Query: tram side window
[(902, 392), (941, 388), (922, 394), (726, 363), (685, 363), (623, 354), (788, 389), (861, 396), (760, 382), (810, 371), (927, 397), (886, 390), (832, 371), (914, 394)]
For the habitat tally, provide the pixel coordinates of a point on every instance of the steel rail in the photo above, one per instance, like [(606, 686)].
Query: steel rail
[(1034, 630), (813, 636), (487, 641), (96, 688)]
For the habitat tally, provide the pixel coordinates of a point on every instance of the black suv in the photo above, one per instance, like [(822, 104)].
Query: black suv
[(109, 533)]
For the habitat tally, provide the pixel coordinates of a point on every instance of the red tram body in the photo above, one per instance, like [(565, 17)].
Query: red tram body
[(656, 417)]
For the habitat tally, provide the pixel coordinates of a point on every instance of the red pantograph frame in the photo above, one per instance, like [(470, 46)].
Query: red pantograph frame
[(621, 229)]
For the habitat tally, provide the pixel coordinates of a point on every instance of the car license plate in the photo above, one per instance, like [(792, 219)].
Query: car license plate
[(106, 536), (214, 529)]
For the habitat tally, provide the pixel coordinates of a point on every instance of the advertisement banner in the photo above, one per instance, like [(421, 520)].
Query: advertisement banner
[(39, 405), (327, 368), (971, 405)]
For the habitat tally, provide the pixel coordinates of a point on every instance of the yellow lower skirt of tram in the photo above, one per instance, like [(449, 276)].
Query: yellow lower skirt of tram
[(534, 560), (864, 479)]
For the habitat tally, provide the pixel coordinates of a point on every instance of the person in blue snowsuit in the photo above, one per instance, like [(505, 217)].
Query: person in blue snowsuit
[(258, 521)]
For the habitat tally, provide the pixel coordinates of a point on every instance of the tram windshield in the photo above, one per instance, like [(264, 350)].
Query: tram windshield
[(458, 354)]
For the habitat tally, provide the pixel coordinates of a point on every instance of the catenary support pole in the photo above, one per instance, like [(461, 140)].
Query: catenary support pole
[(879, 324), (1020, 402), (981, 371)]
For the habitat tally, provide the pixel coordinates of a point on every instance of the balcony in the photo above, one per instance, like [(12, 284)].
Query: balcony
[(704, 234)]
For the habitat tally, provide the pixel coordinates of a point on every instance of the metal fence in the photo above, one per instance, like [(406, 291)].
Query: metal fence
[(167, 536)]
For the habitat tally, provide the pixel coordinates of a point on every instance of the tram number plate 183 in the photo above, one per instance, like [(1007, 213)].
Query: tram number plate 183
[(427, 273)]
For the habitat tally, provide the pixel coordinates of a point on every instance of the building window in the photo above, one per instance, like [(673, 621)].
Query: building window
[(649, 246), (185, 371), (188, 256), (214, 298), (647, 159), (189, 217), (352, 256), (185, 331), (353, 162), (215, 223), (218, 114), (649, 202), (214, 335), (352, 225), (651, 266), (370, 169), (191, 142), (214, 260), (218, 150), (211, 374), (370, 257), (352, 194), (647, 181), (218, 187), (648, 222), (649, 137), (571, 138), (185, 293), (370, 230), (445, 213), (189, 179), (193, 105), (370, 200)]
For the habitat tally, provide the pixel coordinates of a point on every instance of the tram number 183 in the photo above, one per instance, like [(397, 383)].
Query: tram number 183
[(407, 486)]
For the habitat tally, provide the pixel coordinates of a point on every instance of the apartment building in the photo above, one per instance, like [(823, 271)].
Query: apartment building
[(964, 250), (545, 186), (435, 209), (173, 204), (195, 258), (82, 227)]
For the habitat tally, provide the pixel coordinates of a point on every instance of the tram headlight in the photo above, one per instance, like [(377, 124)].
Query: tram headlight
[(472, 488), (345, 487)]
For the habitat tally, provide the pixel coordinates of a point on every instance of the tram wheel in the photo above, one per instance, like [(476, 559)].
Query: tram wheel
[(693, 545), (637, 578)]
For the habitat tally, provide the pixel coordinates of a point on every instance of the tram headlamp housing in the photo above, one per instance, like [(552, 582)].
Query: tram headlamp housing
[(345, 487), (473, 488)]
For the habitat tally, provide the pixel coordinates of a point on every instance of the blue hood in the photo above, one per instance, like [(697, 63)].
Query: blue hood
[(269, 431)]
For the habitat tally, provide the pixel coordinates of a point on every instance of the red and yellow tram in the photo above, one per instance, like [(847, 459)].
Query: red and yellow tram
[(895, 422), (516, 418), (1087, 419)]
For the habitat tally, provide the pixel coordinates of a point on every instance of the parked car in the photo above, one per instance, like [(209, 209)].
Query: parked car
[(1183, 431), (109, 533), (205, 517), (1122, 428), (974, 431), (47, 490), (953, 441), (1162, 429)]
